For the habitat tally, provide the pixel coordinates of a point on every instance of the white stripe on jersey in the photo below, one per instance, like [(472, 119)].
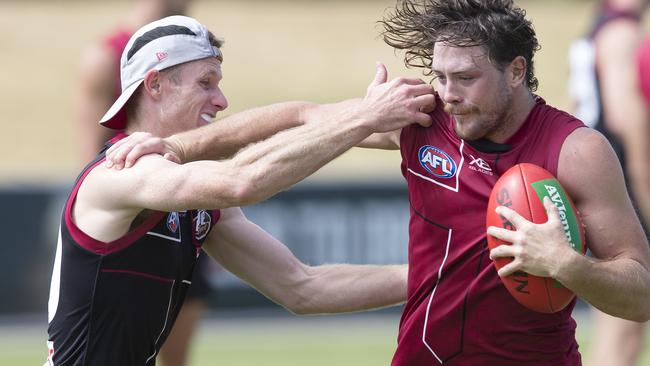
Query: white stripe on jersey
[(433, 292), (178, 240), (55, 283), (169, 305)]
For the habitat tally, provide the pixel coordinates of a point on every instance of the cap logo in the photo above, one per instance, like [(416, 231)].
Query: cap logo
[(161, 55)]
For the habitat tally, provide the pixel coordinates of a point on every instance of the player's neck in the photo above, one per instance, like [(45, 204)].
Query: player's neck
[(522, 104)]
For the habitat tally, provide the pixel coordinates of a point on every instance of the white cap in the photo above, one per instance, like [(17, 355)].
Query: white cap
[(157, 46)]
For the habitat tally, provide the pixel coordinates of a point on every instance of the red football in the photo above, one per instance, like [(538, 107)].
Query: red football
[(522, 188)]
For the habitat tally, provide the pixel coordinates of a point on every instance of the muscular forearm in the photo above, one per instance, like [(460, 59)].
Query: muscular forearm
[(619, 287), (225, 137), (346, 288), (289, 156)]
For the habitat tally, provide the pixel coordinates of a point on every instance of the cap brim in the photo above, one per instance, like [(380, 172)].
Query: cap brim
[(109, 119)]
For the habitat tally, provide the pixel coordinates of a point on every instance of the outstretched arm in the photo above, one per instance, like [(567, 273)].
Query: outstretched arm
[(219, 140), (618, 281), (266, 264), (256, 173), (227, 136)]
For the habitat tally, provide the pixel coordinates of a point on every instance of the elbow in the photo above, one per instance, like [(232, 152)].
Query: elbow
[(297, 298), (302, 306), (640, 312), (634, 315), (245, 188), (299, 308)]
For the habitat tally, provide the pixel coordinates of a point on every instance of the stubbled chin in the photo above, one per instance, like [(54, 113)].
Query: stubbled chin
[(465, 133)]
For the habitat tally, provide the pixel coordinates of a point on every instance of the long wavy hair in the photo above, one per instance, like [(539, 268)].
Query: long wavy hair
[(498, 25)]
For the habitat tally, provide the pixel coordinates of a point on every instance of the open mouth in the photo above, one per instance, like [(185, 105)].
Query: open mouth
[(207, 118)]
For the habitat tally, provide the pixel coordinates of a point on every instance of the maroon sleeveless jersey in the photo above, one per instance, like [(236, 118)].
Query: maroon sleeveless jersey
[(458, 311)]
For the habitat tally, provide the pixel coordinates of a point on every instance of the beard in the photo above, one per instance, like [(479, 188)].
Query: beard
[(474, 123), (461, 108)]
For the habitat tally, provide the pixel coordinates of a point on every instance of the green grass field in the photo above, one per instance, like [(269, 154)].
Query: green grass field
[(254, 339)]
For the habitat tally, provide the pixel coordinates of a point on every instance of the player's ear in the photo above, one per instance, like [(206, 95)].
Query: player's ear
[(516, 72), (152, 84)]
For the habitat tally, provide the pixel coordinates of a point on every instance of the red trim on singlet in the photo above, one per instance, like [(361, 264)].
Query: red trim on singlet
[(97, 246), (216, 215), (141, 274), (118, 136)]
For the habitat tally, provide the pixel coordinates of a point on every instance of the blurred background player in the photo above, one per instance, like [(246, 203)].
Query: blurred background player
[(610, 85), (99, 86)]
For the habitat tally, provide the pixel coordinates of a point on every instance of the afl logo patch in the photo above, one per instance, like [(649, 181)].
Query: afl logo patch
[(173, 222), (437, 162), (201, 223)]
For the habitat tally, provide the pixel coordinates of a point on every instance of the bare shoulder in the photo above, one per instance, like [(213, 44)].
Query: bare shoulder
[(584, 140), (111, 188), (591, 173), (106, 205), (587, 157)]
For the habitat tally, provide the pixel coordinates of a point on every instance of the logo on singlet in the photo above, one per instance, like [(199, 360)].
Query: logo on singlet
[(201, 223), (437, 162), (480, 165), (173, 222)]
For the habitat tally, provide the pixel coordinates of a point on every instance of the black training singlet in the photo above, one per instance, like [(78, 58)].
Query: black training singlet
[(115, 303)]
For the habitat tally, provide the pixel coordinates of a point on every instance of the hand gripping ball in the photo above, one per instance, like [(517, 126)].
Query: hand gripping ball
[(522, 188)]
